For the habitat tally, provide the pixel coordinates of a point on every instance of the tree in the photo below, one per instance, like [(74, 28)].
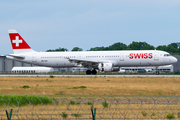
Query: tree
[(137, 45), (77, 49), (118, 46), (175, 45), (115, 46), (162, 47), (99, 48), (148, 47), (172, 49), (57, 50)]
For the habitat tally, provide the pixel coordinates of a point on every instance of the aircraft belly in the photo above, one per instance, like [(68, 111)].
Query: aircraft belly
[(65, 63)]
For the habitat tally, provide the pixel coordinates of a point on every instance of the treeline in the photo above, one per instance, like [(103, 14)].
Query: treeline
[(64, 49), (173, 48)]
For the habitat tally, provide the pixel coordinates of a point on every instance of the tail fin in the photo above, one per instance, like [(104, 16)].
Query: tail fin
[(19, 45)]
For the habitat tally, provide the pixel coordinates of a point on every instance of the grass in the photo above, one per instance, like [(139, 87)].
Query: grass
[(76, 115), (144, 113), (90, 85), (72, 102), (153, 114), (178, 114), (79, 87), (89, 103), (64, 115), (170, 116), (23, 100), (51, 76), (105, 104), (77, 112), (26, 86)]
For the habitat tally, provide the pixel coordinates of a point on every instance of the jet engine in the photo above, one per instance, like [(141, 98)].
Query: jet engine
[(105, 67)]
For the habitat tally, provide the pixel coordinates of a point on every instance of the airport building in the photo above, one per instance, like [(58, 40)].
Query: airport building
[(177, 65), (149, 69), (6, 66)]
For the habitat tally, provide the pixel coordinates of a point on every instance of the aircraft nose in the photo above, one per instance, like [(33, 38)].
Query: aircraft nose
[(175, 60)]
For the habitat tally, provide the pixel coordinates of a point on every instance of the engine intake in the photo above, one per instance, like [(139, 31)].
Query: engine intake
[(105, 67)]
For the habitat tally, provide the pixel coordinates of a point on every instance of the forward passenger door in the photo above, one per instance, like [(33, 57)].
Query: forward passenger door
[(122, 57)]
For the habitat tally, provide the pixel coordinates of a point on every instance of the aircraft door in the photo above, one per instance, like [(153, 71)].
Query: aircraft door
[(34, 58), (121, 57), (156, 56), (79, 56)]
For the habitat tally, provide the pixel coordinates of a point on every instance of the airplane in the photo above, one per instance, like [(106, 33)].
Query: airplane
[(103, 61)]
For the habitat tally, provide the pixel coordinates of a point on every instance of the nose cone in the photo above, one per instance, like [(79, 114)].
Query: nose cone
[(175, 60)]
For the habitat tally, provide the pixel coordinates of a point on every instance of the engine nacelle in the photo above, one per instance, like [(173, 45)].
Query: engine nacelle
[(105, 67)]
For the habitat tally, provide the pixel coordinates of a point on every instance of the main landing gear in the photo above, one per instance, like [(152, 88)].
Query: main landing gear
[(89, 72), (157, 71)]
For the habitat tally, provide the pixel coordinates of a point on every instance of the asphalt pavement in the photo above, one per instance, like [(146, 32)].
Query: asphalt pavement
[(47, 75)]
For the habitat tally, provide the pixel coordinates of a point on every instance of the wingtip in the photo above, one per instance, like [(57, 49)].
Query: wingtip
[(12, 31)]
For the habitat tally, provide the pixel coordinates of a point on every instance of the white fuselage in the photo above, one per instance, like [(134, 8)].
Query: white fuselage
[(117, 58)]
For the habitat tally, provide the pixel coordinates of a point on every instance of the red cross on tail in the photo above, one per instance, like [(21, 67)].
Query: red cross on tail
[(19, 45), (17, 41)]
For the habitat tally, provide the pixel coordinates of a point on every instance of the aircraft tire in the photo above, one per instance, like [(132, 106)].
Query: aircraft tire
[(94, 72), (157, 72), (88, 72)]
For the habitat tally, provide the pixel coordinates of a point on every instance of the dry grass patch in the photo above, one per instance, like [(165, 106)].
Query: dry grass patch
[(90, 85)]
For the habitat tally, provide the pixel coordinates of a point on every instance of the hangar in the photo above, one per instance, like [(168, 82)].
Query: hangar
[(6, 65), (177, 65)]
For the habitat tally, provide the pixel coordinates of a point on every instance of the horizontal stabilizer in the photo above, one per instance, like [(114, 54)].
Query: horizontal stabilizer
[(16, 56)]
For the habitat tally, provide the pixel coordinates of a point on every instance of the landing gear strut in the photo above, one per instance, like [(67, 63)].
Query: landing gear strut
[(157, 71)]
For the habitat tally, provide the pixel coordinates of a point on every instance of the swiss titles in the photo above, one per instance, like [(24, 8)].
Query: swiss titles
[(140, 56)]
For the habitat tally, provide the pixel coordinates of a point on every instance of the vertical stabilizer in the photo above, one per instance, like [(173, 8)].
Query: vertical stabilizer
[(19, 45)]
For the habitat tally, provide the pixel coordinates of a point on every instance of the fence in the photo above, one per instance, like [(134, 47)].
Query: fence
[(81, 107)]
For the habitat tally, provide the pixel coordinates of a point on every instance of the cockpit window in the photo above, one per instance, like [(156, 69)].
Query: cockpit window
[(167, 54)]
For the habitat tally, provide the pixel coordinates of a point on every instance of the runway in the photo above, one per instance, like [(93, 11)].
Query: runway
[(47, 75)]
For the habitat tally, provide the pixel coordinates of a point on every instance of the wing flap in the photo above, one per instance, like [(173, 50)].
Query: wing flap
[(84, 60), (86, 63)]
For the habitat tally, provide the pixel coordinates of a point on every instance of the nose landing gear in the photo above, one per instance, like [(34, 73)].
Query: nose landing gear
[(157, 71)]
